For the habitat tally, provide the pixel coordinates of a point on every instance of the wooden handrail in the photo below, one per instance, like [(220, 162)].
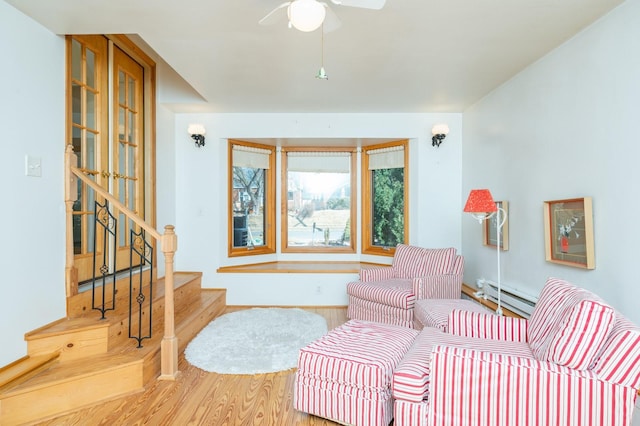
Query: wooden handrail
[(127, 212), (168, 243)]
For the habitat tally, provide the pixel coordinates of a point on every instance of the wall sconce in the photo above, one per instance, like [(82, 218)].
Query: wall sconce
[(197, 132), (439, 132)]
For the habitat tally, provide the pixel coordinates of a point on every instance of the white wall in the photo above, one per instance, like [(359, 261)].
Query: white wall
[(201, 200), (565, 127), (165, 176), (32, 118), (32, 122)]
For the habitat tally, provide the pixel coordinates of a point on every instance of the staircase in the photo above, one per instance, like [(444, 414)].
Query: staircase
[(81, 360)]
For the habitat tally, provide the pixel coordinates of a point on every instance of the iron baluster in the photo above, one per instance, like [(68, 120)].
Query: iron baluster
[(140, 247), (107, 223)]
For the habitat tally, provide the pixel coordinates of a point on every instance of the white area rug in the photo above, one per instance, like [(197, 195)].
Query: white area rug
[(253, 341)]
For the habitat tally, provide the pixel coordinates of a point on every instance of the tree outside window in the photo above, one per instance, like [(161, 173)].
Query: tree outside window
[(388, 207), (248, 206), (384, 223), (252, 205)]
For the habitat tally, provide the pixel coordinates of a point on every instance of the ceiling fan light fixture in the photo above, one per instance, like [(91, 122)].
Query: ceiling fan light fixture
[(306, 15)]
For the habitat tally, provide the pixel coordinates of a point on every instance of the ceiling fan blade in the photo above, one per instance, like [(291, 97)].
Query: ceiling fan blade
[(365, 4), (274, 16), (331, 20)]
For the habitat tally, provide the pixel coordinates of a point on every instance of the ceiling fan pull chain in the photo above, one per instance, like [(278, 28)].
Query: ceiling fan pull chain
[(322, 75)]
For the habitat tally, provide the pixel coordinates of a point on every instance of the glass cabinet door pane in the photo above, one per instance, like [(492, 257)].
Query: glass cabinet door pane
[(91, 69), (76, 60), (91, 110), (76, 104)]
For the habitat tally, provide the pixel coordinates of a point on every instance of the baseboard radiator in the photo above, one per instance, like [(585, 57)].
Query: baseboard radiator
[(512, 299)]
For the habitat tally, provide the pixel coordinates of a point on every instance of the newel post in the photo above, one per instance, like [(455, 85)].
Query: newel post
[(70, 196), (169, 345)]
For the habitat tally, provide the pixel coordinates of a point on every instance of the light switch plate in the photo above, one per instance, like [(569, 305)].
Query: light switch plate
[(32, 166)]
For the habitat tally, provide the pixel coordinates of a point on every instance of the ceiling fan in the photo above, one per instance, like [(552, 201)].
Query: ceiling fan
[(309, 15)]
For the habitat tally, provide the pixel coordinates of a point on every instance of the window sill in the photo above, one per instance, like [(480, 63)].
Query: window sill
[(299, 267)]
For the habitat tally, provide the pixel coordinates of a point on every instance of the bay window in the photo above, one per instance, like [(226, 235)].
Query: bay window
[(318, 209)]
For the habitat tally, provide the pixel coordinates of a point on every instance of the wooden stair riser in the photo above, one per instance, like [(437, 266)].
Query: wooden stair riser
[(80, 304), (98, 336), (67, 395), (184, 297), (74, 344)]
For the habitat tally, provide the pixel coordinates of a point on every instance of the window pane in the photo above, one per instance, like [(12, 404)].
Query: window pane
[(248, 206), (91, 69), (76, 139), (132, 164), (319, 208), (132, 126), (122, 230), (89, 220), (122, 98), (387, 207), (76, 104), (76, 60), (77, 221), (91, 110), (132, 193), (122, 167), (132, 93), (91, 151), (121, 123)]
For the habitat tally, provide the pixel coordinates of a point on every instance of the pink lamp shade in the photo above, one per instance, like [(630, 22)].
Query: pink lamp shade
[(480, 201)]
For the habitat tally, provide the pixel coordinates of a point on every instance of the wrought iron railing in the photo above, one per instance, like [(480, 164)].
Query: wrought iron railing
[(105, 225), (168, 243), (141, 248)]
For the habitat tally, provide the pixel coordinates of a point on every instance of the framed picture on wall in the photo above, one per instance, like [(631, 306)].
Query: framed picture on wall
[(489, 230), (568, 229)]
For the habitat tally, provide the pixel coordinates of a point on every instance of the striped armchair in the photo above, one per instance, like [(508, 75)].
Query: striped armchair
[(388, 294), (575, 361)]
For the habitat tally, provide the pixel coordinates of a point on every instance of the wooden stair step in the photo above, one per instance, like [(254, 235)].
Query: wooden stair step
[(80, 304), (88, 335), (68, 386), (25, 367), (124, 369), (189, 322)]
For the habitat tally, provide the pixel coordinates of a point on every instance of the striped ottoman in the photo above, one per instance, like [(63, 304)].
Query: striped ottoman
[(345, 376), (435, 312)]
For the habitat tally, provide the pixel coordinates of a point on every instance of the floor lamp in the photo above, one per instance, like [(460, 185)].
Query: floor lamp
[(481, 205)]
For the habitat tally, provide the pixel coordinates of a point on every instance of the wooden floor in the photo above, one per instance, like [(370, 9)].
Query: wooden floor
[(202, 398)]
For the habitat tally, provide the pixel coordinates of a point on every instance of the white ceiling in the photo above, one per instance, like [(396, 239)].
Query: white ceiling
[(411, 56)]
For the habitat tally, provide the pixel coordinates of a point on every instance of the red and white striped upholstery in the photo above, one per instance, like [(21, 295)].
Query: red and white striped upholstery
[(412, 376), (393, 292), (346, 375), (582, 368), (435, 312), (412, 261), (487, 326), (387, 294), (619, 358), (570, 325)]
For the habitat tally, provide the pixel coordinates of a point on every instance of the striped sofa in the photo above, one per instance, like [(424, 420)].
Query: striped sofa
[(388, 294), (575, 361)]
